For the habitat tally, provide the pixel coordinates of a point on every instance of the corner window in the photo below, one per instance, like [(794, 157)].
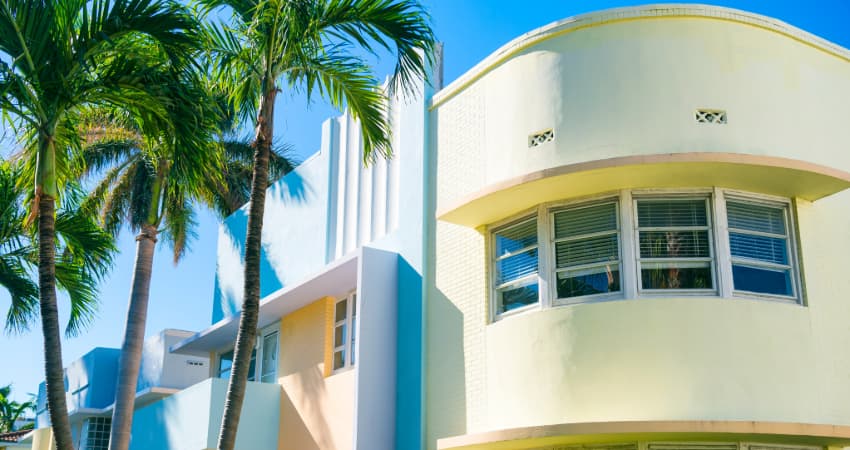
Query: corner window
[(345, 334), (759, 244), (643, 244), (515, 265)]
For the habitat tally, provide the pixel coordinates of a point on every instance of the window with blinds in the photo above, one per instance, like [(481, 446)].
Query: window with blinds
[(587, 250), (674, 244), (669, 245), (516, 264), (759, 243)]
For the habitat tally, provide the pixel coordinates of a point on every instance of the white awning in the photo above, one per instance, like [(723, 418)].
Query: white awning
[(335, 280)]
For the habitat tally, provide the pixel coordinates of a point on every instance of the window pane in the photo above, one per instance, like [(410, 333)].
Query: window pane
[(339, 335), (339, 359), (672, 213), (674, 244), (225, 362), (676, 275), (269, 358), (753, 217), (762, 280), (761, 248), (586, 251), (516, 237), (595, 280), (518, 296), (516, 266), (586, 220), (341, 310)]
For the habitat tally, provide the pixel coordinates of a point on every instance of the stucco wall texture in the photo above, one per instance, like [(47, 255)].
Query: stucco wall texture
[(621, 84)]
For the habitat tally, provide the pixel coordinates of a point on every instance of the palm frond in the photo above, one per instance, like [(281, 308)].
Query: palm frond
[(346, 81)]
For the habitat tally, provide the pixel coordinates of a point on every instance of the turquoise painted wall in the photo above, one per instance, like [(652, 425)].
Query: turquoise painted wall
[(92, 377)]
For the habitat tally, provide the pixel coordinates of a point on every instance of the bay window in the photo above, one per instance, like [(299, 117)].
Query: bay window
[(643, 244)]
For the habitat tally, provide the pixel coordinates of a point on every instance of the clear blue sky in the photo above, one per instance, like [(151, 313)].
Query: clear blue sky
[(181, 296)]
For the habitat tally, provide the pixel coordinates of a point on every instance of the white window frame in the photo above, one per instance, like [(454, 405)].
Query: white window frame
[(628, 232), (790, 239), (261, 350), (542, 231), (639, 195), (257, 352), (550, 210), (352, 311)]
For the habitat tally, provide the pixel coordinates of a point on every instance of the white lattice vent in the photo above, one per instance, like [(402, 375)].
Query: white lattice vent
[(541, 138), (710, 116)]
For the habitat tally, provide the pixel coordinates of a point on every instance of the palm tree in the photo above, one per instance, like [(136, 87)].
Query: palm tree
[(10, 410), (58, 55), (85, 255), (153, 174), (305, 43), (152, 182)]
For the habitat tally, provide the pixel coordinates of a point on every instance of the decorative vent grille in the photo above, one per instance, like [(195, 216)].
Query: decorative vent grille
[(541, 138), (710, 116), (96, 433), (194, 363)]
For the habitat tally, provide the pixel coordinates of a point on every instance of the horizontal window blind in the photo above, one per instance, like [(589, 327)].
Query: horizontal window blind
[(747, 216), (516, 237), (672, 213), (759, 244), (585, 220), (674, 244), (587, 250), (516, 265)]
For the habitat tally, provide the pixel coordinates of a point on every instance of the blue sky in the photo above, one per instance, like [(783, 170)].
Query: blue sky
[(181, 296)]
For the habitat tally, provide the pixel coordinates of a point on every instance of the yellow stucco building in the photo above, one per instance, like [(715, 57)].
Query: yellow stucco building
[(641, 227)]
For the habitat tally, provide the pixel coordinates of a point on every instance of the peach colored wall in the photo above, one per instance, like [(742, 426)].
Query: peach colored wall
[(317, 412)]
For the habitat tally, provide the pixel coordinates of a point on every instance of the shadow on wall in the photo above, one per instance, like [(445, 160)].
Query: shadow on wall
[(291, 189), (409, 356), (318, 434), (308, 408), (446, 368)]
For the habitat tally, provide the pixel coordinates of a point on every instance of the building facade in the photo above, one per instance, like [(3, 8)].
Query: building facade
[(623, 230), (639, 218)]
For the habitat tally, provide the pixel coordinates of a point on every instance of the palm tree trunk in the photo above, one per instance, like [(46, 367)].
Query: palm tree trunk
[(54, 373), (247, 334), (134, 337)]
